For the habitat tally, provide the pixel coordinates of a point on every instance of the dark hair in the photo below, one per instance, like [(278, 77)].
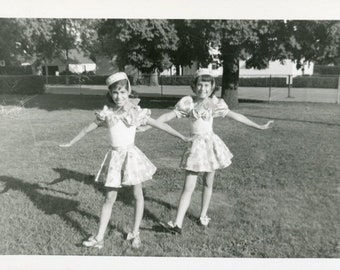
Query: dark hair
[(108, 96), (116, 85), (119, 84), (205, 78)]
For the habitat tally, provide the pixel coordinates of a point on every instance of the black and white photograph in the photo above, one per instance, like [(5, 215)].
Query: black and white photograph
[(170, 134)]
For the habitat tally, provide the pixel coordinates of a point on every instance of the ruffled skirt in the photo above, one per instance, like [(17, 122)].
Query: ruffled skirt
[(206, 153), (125, 166)]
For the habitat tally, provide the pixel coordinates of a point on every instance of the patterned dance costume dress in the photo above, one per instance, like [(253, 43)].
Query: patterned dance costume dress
[(207, 152), (124, 164)]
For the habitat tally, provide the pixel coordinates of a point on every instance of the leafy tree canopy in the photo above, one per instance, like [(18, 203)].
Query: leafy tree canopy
[(145, 44)]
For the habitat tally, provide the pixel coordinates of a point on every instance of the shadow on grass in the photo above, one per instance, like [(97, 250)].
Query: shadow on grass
[(49, 204), (125, 195)]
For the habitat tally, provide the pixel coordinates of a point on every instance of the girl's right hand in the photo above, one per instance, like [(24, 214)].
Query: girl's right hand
[(187, 139), (65, 145)]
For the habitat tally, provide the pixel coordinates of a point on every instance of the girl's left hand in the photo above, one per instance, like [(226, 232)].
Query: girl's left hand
[(266, 126), (142, 128), (65, 145)]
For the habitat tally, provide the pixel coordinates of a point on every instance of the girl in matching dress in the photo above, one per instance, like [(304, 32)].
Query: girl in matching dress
[(124, 164), (206, 152)]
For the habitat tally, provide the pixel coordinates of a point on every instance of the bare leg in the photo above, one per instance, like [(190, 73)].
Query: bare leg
[(208, 181), (139, 206), (105, 216), (189, 186)]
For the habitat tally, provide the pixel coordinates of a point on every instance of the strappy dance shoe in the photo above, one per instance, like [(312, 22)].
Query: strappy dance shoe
[(93, 242), (204, 221), (136, 242)]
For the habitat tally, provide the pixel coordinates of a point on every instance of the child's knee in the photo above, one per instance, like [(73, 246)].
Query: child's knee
[(208, 185), (138, 193), (189, 189), (110, 197)]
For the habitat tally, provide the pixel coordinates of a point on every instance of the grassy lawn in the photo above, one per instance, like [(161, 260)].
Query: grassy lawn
[(279, 198)]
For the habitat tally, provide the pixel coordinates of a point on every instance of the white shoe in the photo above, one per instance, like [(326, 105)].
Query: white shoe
[(204, 221), (136, 242), (93, 242)]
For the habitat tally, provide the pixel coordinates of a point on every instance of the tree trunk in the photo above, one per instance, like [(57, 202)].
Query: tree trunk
[(178, 70), (230, 75), (154, 78)]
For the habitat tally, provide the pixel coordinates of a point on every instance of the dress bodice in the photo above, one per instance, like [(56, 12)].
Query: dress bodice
[(122, 122), (201, 114)]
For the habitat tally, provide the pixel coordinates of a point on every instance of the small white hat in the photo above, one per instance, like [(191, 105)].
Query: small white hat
[(118, 77), (204, 71)]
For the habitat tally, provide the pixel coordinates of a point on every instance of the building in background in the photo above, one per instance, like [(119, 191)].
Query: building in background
[(274, 69), (78, 63)]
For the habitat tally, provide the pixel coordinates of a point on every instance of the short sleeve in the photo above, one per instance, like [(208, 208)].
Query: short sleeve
[(101, 116), (220, 107), (142, 116), (137, 116), (183, 107)]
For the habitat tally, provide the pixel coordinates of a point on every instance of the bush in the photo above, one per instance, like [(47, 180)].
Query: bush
[(21, 84), (16, 70), (326, 70), (301, 81), (263, 82), (77, 79), (315, 82), (182, 80), (175, 80)]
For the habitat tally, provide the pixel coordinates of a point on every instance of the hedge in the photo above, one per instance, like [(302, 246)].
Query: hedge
[(77, 79), (22, 84), (35, 84), (263, 82), (315, 82), (326, 70), (298, 82), (16, 70)]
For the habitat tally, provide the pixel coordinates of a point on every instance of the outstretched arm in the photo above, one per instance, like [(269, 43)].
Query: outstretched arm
[(163, 118), (80, 135), (244, 120), (167, 128)]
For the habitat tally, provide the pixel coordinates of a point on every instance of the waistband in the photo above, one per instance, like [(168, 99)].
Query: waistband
[(202, 133), (124, 147)]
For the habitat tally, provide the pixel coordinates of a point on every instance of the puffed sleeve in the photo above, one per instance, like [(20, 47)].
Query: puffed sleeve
[(143, 116), (220, 107), (137, 116), (101, 116), (183, 107)]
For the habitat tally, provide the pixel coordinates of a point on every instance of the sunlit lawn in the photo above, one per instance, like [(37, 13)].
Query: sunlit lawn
[(279, 198)]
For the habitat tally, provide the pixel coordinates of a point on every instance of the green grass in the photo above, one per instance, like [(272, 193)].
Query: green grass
[(279, 198)]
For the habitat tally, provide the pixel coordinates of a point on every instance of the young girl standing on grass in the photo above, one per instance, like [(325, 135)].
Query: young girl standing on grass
[(206, 152), (124, 164)]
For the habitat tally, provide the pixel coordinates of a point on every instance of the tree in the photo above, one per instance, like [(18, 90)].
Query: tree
[(256, 42), (79, 34), (39, 40), (317, 41), (35, 41), (144, 44), (9, 35), (193, 43), (260, 41)]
